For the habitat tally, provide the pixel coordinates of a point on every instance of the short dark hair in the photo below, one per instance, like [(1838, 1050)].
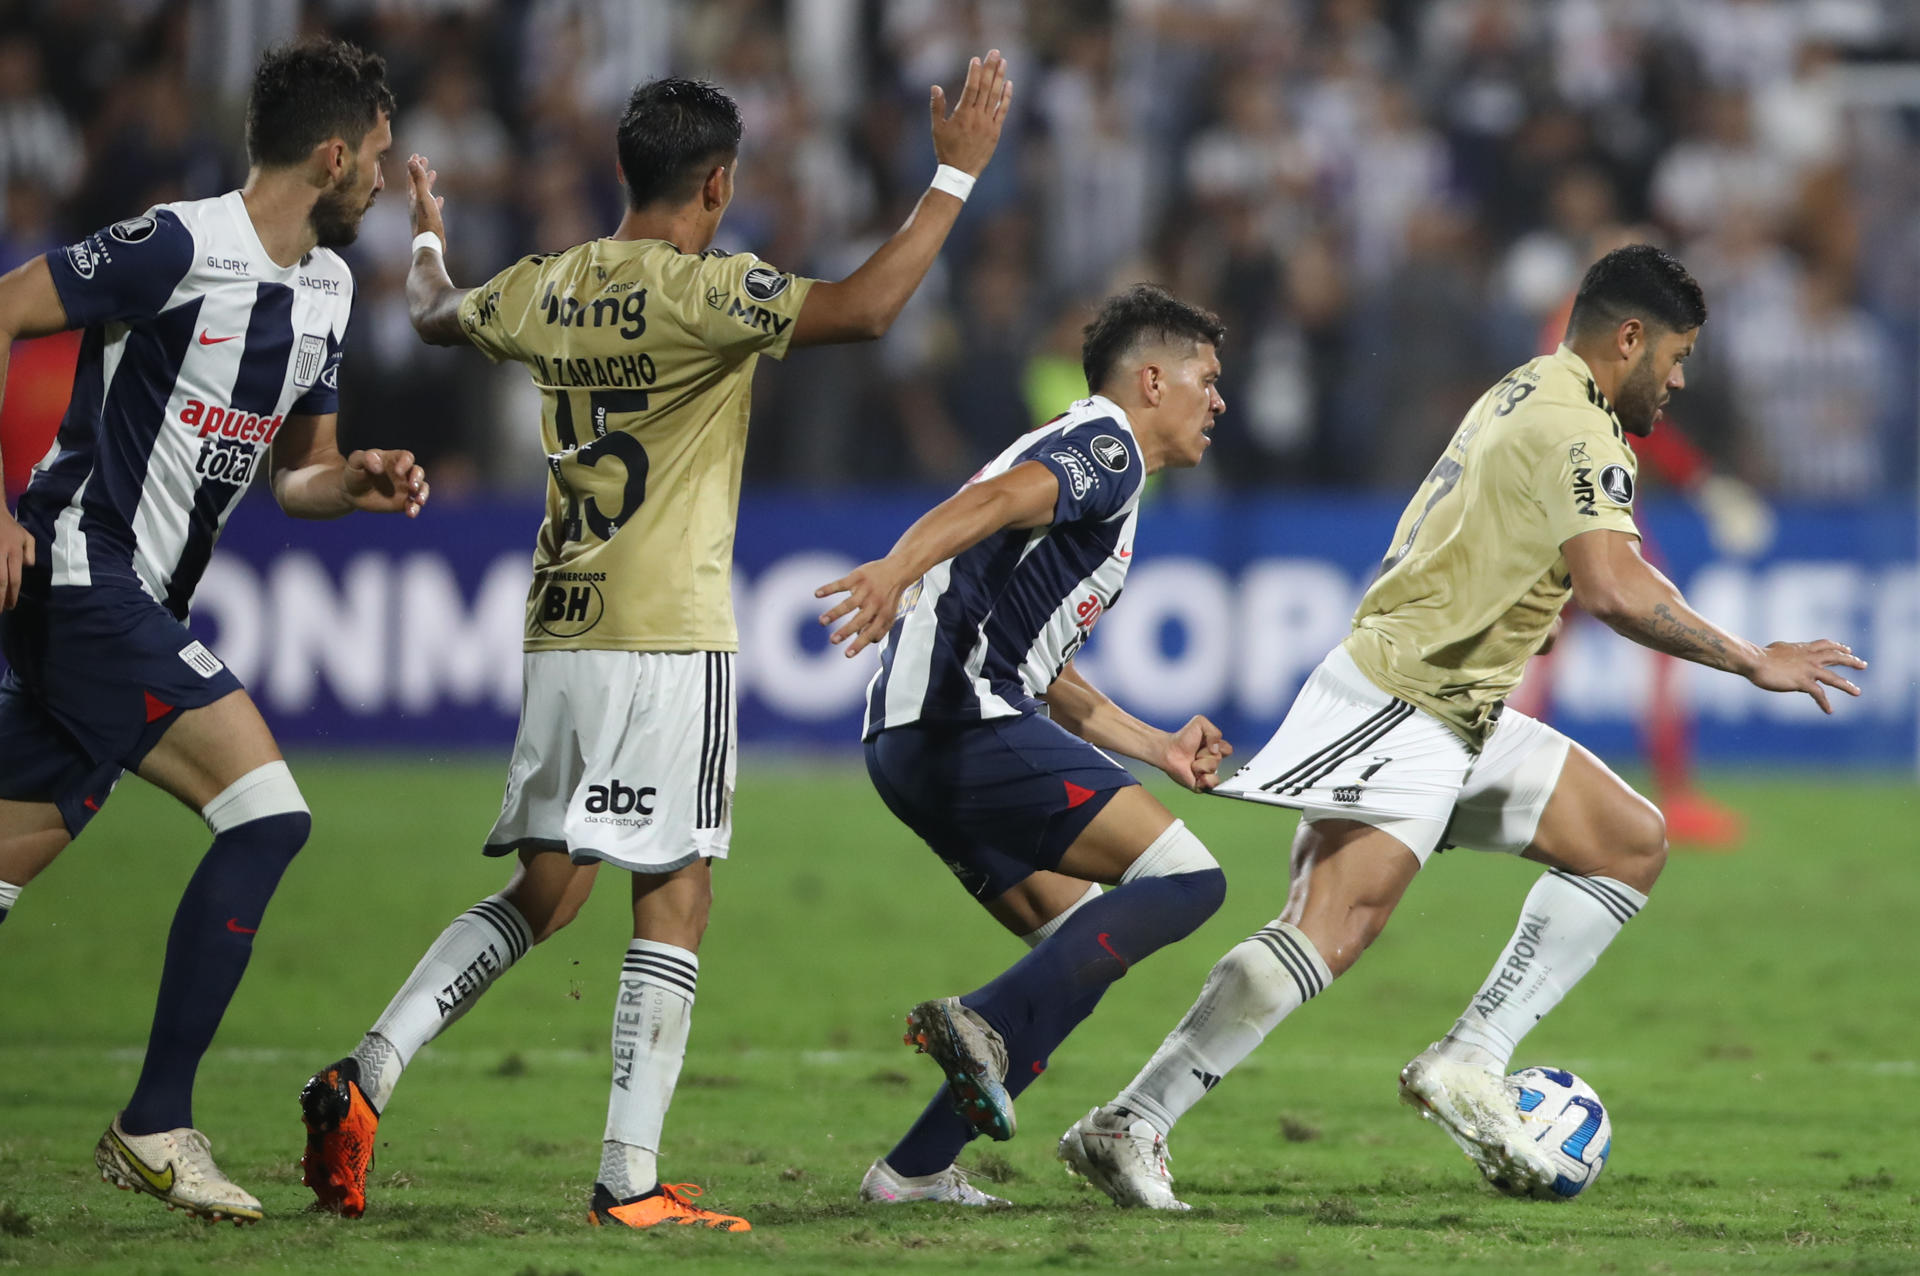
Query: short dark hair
[(1641, 282), (1144, 314), (672, 135), (309, 91)]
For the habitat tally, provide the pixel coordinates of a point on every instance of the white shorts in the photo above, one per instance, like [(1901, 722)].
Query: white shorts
[(1350, 751), (622, 756)]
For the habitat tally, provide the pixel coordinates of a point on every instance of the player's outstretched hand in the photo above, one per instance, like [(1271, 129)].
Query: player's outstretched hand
[(423, 206), (386, 482), (965, 137), (872, 601), (16, 555), (1804, 666), (1194, 753)]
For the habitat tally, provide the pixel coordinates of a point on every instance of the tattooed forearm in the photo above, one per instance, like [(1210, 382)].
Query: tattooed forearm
[(1669, 633)]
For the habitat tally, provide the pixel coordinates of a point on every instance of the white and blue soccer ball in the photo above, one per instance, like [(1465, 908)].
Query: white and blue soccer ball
[(1568, 1123)]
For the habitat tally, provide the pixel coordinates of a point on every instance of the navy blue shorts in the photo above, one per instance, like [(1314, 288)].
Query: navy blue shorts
[(96, 677), (997, 800)]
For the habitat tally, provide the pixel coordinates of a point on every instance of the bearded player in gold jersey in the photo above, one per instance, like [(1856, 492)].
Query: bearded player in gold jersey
[(643, 346), (1398, 744)]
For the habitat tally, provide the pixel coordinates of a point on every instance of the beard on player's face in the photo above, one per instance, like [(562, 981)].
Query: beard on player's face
[(1639, 399), (337, 213)]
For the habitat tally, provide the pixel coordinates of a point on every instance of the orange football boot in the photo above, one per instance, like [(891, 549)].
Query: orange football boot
[(668, 1203), (340, 1127)]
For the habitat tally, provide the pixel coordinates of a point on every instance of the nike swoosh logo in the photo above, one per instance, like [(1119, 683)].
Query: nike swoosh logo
[(205, 340), (1102, 937), (1124, 553), (233, 924), (158, 1182)]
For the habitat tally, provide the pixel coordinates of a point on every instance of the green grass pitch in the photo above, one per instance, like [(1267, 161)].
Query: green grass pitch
[(1755, 1034)]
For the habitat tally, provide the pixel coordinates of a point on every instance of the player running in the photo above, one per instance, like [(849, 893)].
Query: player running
[(1398, 746), (643, 346), (983, 738), (213, 337)]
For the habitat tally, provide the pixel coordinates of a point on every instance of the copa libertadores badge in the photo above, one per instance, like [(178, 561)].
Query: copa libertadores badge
[(764, 283), (1617, 484)]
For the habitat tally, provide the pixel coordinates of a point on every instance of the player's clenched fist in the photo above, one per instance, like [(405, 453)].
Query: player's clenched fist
[(965, 137), (386, 482), (16, 555), (1194, 753)]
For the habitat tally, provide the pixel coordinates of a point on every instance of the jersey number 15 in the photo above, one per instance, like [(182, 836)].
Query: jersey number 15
[(584, 512)]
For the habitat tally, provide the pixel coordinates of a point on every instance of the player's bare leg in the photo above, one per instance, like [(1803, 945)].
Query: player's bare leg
[(221, 760), (651, 1023), (32, 834), (1606, 846), (341, 1104)]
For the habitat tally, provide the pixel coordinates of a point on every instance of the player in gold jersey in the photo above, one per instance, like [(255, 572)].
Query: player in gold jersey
[(643, 346), (1398, 743)]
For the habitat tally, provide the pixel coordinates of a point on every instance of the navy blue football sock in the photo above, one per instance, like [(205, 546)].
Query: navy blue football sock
[(1029, 1005), (935, 1140), (207, 952)]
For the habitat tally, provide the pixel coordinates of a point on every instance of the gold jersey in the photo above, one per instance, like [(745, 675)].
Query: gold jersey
[(1475, 578), (644, 358)]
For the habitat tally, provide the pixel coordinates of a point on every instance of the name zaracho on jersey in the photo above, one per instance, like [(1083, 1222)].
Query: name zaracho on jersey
[(984, 633), (644, 358), (197, 349)]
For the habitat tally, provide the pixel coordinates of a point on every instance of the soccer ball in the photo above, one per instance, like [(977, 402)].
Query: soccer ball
[(1569, 1124)]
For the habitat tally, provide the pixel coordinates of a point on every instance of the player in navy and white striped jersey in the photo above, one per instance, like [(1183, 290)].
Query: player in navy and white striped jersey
[(213, 337), (990, 629), (983, 738)]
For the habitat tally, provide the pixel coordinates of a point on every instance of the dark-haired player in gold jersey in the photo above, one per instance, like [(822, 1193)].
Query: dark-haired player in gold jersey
[(1398, 743), (643, 346)]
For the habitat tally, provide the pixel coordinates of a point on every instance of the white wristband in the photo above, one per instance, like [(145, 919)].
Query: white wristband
[(954, 182), (426, 239)]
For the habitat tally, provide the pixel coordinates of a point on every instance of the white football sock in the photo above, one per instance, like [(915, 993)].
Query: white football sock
[(472, 952), (1258, 983), (10, 895), (650, 1026), (1566, 923)]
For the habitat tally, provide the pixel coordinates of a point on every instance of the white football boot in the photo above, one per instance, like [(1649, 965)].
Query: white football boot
[(1123, 1156), (177, 1167), (1480, 1111), (950, 1185)]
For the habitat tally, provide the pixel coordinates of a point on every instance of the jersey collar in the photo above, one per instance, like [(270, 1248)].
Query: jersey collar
[(1108, 406), (1582, 373)]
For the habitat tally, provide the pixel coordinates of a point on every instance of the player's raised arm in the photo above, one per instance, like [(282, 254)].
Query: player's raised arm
[(433, 303), (1191, 755), (29, 307), (1025, 496), (1613, 583), (863, 306)]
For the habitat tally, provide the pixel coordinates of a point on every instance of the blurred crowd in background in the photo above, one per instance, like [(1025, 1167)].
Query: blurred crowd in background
[(1388, 201)]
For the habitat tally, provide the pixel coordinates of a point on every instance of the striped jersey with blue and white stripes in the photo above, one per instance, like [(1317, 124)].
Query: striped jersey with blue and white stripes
[(197, 348), (984, 633)]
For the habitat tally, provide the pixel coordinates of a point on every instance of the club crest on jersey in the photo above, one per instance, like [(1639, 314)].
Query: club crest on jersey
[(764, 283), (1079, 476), (1617, 484), (133, 229), (1110, 452), (308, 360)]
